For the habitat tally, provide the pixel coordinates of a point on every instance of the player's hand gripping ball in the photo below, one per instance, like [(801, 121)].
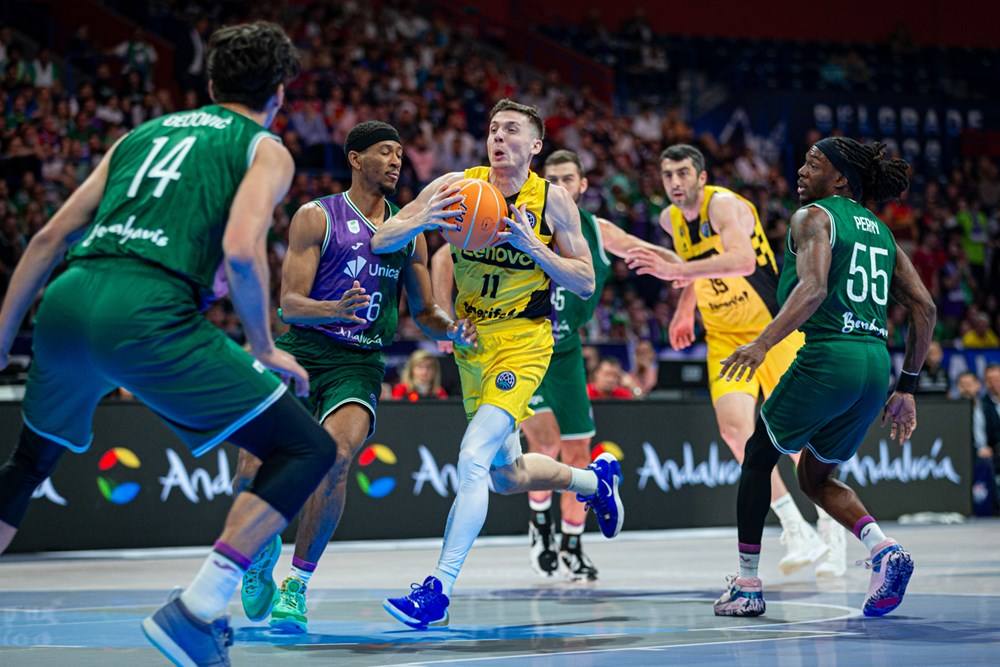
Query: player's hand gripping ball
[(482, 212)]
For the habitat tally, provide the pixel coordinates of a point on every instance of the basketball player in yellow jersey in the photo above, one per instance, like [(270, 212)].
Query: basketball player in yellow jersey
[(504, 290), (731, 274)]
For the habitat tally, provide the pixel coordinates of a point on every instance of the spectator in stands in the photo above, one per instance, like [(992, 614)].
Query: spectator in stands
[(420, 379), (137, 55), (606, 380), (642, 379), (979, 335), (968, 386), (986, 437), (933, 377)]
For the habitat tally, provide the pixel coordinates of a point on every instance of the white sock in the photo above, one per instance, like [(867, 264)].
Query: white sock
[(209, 593), (304, 574), (583, 481), (872, 536), (572, 528), (748, 564), (483, 438), (787, 511), (540, 505)]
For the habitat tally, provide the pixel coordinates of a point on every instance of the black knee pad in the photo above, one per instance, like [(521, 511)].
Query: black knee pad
[(296, 453), (760, 453), (33, 460)]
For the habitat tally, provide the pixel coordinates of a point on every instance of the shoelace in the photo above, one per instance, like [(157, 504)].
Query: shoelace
[(420, 593)]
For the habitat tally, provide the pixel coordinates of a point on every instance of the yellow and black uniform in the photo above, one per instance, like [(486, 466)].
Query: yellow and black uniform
[(506, 294), (736, 309)]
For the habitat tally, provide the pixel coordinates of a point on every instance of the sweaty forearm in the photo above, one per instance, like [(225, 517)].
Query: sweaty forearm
[(248, 281), (918, 339), (434, 322), (574, 274), (802, 302), (725, 265), (299, 309), (394, 234)]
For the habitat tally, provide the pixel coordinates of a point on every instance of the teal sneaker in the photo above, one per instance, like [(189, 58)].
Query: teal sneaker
[(258, 592), (289, 613)]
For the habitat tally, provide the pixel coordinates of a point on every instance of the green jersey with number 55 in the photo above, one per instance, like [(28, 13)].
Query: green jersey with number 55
[(170, 184), (861, 266)]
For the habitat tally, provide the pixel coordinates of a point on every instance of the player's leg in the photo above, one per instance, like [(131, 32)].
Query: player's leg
[(838, 441), (735, 404), (831, 534), (427, 605), (576, 454), (349, 426), (63, 389), (33, 460), (744, 596), (542, 433)]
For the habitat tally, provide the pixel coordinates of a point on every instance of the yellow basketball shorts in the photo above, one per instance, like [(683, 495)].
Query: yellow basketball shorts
[(506, 367), (779, 358)]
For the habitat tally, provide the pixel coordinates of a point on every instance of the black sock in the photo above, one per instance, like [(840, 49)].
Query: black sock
[(754, 496)]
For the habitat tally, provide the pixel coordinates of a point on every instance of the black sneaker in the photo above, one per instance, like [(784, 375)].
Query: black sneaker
[(578, 567), (544, 558)]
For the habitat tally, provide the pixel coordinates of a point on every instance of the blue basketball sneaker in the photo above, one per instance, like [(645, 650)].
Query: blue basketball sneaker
[(425, 606), (891, 570), (186, 640), (606, 503)]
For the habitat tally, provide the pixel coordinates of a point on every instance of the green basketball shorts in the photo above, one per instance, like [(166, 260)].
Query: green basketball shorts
[(338, 374), (828, 398), (108, 323)]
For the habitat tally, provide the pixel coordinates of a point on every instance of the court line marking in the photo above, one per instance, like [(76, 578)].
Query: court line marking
[(664, 647)]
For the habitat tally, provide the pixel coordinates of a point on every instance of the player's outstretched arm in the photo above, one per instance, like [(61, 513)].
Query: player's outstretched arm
[(245, 246), (908, 290), (571, 267), (298, 272), (810, 230), (426, 212), (733, 221), (433, 320), (618, 242), (46, 250)]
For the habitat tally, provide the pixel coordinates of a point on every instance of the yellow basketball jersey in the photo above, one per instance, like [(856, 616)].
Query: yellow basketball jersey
[(501, 283), (728, 304)]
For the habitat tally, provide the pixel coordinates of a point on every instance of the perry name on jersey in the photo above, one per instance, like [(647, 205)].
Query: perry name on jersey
[(862, 261), (500, 282)]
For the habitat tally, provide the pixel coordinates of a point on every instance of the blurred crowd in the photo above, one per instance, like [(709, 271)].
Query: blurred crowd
[(436, 84)]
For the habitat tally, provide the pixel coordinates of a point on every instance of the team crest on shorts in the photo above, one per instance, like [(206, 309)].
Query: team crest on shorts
[(506, 381), (373, 399)]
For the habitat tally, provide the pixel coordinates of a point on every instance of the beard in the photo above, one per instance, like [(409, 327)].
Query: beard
[(386, 190)]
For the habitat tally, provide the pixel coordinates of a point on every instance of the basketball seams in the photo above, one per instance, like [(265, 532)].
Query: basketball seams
[(496, 229), (471, 219)]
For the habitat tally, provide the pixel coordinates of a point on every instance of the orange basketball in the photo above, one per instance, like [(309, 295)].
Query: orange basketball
[(482, 216)]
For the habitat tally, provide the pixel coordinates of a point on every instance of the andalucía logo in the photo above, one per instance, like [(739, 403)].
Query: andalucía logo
[(609, 447), (381, 486), (118, 493)]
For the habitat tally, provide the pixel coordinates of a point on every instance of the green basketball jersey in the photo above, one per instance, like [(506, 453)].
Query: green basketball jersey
[(570, 312), (864, 256), (170, 184)]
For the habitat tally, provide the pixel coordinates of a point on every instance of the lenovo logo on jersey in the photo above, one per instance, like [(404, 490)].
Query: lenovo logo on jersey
[(353, 267), (504, 255)]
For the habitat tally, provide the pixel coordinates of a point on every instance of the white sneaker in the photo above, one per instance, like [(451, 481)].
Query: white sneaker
[(803, 547), (834, 564)]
